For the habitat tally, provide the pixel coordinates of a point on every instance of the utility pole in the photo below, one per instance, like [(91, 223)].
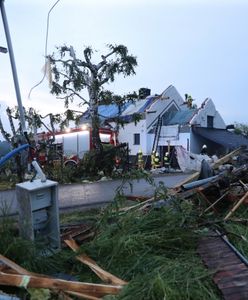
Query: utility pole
[(13, 66)]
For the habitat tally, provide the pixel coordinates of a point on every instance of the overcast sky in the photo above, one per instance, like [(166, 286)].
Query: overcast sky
[(200, 47)]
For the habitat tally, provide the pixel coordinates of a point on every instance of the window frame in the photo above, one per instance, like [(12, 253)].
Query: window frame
[(136, 138)]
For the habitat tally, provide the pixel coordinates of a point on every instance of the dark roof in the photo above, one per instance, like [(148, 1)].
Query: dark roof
[(182, 117), (222, 137)]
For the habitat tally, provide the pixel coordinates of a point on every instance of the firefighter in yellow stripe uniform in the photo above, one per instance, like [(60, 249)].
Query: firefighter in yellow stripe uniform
[(157, 160), (167, 161), (140, 160), (153, 159)]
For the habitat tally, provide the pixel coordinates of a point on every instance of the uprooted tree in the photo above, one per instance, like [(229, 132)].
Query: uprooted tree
[(73, 75)]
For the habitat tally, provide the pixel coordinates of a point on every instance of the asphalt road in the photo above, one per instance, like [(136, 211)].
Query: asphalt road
[(82, 195)]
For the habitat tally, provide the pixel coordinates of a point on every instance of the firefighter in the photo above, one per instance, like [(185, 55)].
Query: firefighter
[(156, 160), (189, 100), (153, 159), (140, 160), (204, 150), (167, 160)]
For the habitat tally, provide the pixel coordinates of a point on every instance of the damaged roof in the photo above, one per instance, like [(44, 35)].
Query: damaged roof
[(182, 117), (139, 106)]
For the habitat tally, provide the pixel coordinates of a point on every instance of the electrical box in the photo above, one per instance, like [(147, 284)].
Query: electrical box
[(38, 212)]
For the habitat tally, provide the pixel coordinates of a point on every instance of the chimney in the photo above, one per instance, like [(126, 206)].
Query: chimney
[(144, 92)]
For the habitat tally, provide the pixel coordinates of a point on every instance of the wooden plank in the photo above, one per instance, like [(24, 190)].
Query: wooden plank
[(217, 201), (236, 206), (96, 290), (104, 275), (225, 158)]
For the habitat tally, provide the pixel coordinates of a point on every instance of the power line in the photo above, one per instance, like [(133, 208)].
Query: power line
[(46, 42)]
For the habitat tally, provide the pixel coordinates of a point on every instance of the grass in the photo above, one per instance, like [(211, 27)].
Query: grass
[(156, 253)]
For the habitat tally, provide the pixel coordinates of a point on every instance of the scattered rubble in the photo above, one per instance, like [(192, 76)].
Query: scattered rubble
[(221, 194)]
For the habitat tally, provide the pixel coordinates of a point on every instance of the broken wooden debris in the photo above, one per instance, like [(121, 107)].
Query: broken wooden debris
[(137, 198), (104, 275), (20, 277), (80, 232), (30, 281), (229, 270), (236, 206), (217, 201), (215, 165)]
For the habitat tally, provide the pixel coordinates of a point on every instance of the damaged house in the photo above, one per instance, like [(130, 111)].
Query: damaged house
[(168, 120)]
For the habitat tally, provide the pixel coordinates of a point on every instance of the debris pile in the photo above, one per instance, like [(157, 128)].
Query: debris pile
[(150, 246)]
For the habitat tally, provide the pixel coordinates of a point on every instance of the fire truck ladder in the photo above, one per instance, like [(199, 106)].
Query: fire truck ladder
[(157, 134)]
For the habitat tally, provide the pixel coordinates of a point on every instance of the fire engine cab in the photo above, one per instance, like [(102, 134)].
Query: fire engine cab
[(72, 144)]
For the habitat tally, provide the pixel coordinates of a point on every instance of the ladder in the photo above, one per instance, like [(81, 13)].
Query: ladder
[(157, 134)]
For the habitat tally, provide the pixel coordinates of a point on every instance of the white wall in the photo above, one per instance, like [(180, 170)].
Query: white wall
[(126, 135), (208, 109)]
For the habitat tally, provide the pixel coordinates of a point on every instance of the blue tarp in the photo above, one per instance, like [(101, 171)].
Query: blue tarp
[(111, 110)]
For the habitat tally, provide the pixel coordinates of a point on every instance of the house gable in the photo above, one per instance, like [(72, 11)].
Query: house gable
[(208, 116), (170, 99)]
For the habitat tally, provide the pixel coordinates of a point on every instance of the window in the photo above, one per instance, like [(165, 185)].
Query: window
[(136, 139), (210, 121)]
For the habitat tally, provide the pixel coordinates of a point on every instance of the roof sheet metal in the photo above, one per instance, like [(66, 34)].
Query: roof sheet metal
[(138, 106), (182, 117), (111, 110), (223, 137)]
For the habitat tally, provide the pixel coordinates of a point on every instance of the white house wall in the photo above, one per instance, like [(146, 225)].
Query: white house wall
[(180, 139), (126, 135), (208, 109)]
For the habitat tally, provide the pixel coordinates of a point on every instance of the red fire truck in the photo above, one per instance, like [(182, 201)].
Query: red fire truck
[(72, 144)]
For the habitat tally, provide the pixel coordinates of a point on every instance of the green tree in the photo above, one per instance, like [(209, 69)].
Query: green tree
[(35, 121), (240, 128), (73, 75)]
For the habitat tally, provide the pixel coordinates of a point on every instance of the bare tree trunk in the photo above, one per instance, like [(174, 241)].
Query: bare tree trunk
[(96, 141), (95, 133)]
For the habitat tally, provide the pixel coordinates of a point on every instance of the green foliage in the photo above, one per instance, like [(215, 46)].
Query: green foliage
[(241, 128), (237, 232), (155, 254), (39, 294), (72, 75), (61, 173), (94, 163)]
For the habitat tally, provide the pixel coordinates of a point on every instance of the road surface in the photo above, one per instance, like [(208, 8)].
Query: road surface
[(72, 196)]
